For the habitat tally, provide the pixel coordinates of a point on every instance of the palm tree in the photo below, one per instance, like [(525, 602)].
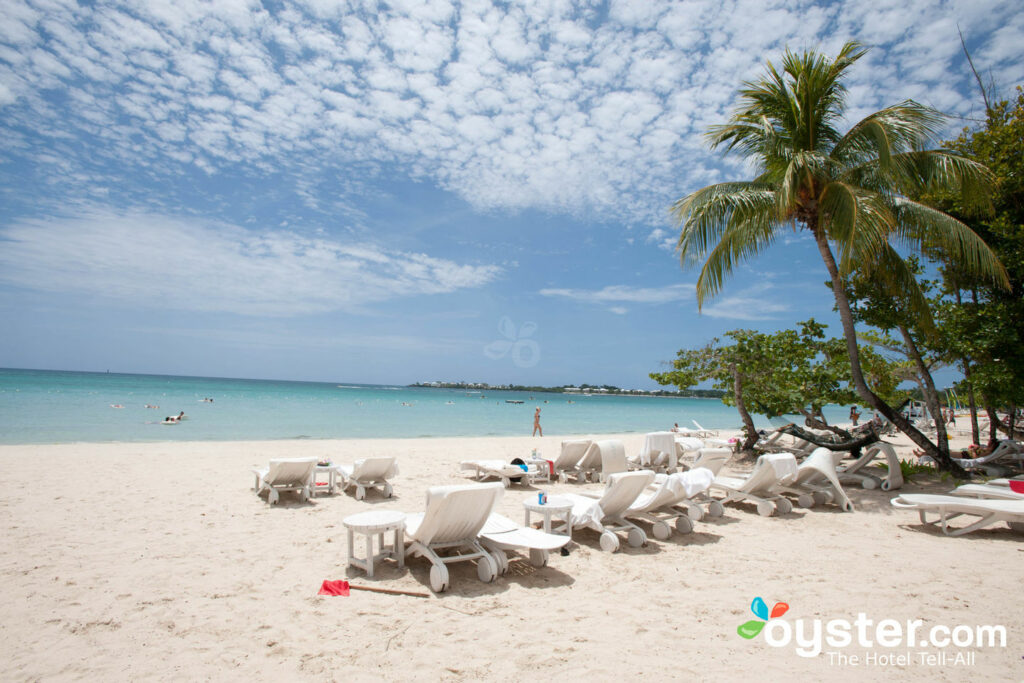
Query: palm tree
[(852, 192)]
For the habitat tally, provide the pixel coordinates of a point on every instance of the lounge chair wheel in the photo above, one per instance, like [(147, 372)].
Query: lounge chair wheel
[(823, 497), (562, 478), (486, 568), (805, 500), (636, 538), (360, 493), (388, 490), (439, 578), (683, 525), (609, 542), (868, 483), (886, 485), (662, 531), (694, 513), (273, 497), (783, 506), (538, 558), (765, 508), (716, 509), (501, 560)]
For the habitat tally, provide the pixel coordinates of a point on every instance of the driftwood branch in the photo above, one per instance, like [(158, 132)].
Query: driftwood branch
[(389, 591), (852, 445)]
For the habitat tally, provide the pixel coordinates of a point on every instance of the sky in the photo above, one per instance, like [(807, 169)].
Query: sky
[(391, 192)]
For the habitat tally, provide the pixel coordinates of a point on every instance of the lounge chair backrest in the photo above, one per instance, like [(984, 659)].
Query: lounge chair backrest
[(613, 456), (287, 471), (623, 488), (674, 488), (771, 470), (591, 459), (572, 452), (810, 468), (456, 513), (713, 458), (373, 469)]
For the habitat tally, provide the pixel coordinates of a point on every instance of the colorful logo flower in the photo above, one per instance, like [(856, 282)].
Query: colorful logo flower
[(751, 628)]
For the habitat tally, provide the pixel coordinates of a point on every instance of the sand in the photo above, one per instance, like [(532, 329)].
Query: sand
[(157, 561)]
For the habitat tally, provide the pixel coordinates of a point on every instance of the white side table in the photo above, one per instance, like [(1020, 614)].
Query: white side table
[(556, 507), (376, 523), (332, 479)]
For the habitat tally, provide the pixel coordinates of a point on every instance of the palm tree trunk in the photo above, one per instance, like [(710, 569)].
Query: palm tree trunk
[(857, 375), (931, 396)]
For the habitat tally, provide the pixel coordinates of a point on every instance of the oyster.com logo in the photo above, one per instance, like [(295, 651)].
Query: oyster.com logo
[(751, 628)]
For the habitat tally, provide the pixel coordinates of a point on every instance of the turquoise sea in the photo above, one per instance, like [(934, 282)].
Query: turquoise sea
[(43, 406)]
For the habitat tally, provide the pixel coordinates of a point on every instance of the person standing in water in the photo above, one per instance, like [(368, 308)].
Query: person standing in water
[(536, 422)]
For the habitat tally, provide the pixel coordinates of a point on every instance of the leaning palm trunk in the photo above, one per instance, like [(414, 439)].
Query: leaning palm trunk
[(852, 191), (857, 374)]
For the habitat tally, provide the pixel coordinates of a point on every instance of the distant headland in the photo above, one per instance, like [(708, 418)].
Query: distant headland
[(582, 389)]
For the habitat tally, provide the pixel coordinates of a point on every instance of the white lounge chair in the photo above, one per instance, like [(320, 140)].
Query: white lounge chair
[(613, 457), (713, 459), (857, 471), (669, 500), (286, 474), (569, 458), (606, 514), (687, 446), (817, 481), (1008, 454), (989, 490), (771, 471), (658, 452), (451, 524), (507, 473), (589, 466), (371, 473), (500, 534), (703, 433), (987, 511)]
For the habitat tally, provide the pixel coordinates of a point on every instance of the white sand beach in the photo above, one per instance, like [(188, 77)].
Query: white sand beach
[(157, 561)]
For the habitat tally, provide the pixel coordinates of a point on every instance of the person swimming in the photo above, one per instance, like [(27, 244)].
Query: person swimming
[(175, 418)]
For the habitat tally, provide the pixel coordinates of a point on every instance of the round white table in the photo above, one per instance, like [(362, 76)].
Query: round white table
[(557, 507), (376, 523)]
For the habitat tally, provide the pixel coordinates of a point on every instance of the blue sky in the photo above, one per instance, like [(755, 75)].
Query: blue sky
[(402, 191)]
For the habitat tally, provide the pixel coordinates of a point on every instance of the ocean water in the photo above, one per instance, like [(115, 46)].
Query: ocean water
[(42, 406)]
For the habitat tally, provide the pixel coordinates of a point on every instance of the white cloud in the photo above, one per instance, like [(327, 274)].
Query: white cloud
[(624, 294), (745, 308), (159, 261), (543, 105)]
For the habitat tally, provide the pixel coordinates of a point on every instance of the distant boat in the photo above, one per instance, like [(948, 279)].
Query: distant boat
[(509, 401)]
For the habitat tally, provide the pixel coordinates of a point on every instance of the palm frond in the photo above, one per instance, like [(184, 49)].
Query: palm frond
[(900, 128), (739, 241), (923, 228), (707, 213), (857, 220), (892, 271)]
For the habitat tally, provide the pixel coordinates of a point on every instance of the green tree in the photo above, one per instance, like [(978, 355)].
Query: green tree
[(788, 372), (985, 324), (852, 192)]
